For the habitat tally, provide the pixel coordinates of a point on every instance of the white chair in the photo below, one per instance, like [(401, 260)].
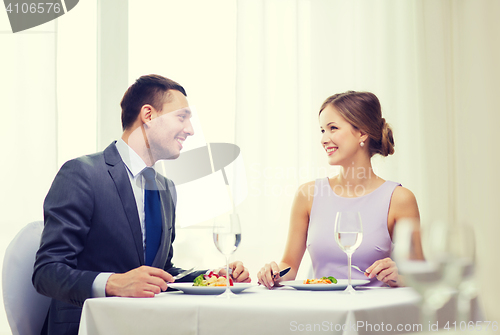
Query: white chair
[(26, 309)]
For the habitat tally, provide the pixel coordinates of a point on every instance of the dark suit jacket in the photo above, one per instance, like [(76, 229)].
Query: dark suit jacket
[(92, 226)]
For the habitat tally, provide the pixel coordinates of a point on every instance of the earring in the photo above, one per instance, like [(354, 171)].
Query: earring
[(362, 144)]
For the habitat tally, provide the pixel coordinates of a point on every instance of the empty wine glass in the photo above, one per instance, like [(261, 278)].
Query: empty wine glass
[(227, 237), (348, 234), (425, 274), (449, 261), (459, 254)]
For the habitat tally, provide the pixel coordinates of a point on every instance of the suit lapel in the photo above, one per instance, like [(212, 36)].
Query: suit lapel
[(118, 173)]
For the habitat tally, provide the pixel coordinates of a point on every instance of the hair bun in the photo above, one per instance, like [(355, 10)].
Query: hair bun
[(387, 142)]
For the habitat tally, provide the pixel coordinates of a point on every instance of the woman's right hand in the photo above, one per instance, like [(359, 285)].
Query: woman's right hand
[(268, 275)]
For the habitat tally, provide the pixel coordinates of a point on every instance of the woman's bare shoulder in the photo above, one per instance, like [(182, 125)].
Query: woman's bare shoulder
[(305, 194), (307, 188), (403, 195), (404, 203)]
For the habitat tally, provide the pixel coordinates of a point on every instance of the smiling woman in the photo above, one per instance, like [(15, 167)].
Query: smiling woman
[(363, 112), (353, 131)]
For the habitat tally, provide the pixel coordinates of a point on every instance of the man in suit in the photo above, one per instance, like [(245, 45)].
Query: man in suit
[(95, 241)]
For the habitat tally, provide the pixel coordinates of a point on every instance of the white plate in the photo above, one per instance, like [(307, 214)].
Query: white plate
[(188, 288), (341, 285)]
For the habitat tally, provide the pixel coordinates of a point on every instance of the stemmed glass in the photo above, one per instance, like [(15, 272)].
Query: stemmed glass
[(227, 237), (459, 254), (449, 262), (433, 276), (348, 234)]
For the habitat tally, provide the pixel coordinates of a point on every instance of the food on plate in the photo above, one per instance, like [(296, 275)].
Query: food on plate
[(212, 279), (322, 280)]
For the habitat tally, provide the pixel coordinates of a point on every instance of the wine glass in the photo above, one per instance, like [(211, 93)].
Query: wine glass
[(227, 237), (447, 266), (427, 275), (348, 234), (459, 252)]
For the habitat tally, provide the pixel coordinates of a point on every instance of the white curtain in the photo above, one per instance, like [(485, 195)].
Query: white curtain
[(294, 54), (28, 107), (47, 99), (433, 65), (257, 72)]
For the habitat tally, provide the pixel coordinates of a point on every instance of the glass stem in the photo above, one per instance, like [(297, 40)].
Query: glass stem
[(227, 273), (463, 309), (427, 316), (349, 271)]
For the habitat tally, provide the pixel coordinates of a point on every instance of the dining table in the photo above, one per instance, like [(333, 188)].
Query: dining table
[(258, 310)]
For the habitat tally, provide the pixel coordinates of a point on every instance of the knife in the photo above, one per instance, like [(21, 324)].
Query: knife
[(282, 272)]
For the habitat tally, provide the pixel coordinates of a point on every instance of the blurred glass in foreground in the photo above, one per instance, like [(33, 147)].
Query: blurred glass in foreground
[(437, 260)]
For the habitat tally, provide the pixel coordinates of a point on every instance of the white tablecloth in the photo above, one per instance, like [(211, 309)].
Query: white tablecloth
[(257, 311)]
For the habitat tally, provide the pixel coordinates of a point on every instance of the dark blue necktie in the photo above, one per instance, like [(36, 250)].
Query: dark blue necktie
[(152, 211)]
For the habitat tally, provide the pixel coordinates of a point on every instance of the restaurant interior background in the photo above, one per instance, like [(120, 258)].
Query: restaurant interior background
[(257, 72)]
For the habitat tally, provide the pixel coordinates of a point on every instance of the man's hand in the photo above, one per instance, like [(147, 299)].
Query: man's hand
[(142, 282), (240, 273)]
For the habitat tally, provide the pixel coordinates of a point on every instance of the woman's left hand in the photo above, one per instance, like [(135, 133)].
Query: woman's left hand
[(386, 271)]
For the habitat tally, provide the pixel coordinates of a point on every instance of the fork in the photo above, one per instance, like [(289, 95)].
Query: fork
[(357, 268), (184, 273)]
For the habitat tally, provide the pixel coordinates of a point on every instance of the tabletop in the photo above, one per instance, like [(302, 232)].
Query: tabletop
[(259, 311)]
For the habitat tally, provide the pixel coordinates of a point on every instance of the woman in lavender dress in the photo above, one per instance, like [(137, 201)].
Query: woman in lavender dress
[(353, 130)]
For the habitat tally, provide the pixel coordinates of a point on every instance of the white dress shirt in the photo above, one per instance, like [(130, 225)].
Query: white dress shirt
[(134, 165)]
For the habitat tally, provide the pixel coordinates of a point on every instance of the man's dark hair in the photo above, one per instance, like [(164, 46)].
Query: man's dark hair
[(150, 89)]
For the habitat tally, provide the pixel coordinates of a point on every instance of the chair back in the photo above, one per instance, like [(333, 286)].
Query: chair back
[(26, 309)]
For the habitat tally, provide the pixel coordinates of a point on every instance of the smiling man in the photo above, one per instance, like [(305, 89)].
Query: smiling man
[(110, 218)]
